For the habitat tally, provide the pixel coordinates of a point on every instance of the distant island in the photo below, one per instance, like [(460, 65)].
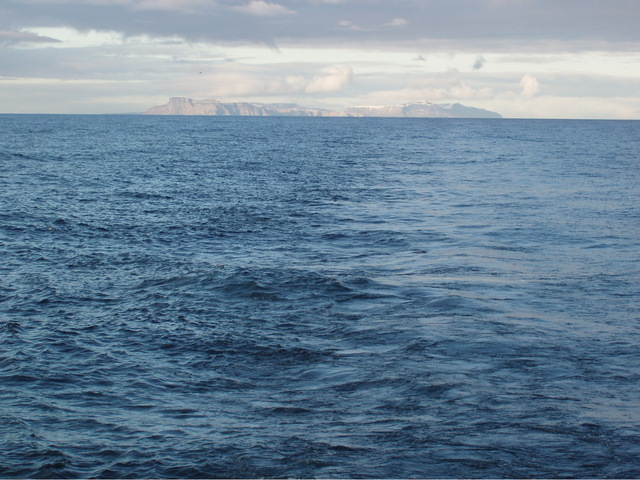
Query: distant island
[(420, 109)]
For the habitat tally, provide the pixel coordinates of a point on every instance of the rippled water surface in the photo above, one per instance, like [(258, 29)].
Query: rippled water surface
[(282, 297)]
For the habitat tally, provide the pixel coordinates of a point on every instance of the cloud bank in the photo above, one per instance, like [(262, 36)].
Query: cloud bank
[(570, 24)]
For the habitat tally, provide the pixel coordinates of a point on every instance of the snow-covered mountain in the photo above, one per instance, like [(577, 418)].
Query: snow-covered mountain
[(188, 106), (422, 109)]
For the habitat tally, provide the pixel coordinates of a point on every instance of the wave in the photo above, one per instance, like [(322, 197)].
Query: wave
[(240, 298)]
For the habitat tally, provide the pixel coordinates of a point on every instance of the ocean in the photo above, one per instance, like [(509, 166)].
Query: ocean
[(249, 297)]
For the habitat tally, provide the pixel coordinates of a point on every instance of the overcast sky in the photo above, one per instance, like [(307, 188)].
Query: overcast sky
[(521, 58)]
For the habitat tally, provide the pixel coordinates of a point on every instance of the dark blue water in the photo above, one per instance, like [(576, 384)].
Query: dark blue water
[(299, 297)]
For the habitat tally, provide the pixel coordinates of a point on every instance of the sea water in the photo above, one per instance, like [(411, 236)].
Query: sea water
[(319, 297)]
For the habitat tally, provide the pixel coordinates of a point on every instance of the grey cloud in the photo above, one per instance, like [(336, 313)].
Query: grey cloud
[(479, 63), (481, 24), (125, 62), (12, 37)]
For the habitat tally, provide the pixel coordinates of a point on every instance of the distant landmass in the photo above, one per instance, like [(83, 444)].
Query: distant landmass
[(189, 106), (422, 109)]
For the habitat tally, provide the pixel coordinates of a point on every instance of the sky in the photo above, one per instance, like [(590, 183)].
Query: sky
[(521, 58)]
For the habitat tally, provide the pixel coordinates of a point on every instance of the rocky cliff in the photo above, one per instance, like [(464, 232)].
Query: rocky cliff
[(188, 106)]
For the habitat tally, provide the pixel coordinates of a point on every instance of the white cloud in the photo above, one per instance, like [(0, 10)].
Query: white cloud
[(462, 91), (245, 85), (530, 86), (567, 107), (187, 6), (398, 22), (242, 82), (262, 8), (72, 38), (349, 25), (434, 91), (336, 79)]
